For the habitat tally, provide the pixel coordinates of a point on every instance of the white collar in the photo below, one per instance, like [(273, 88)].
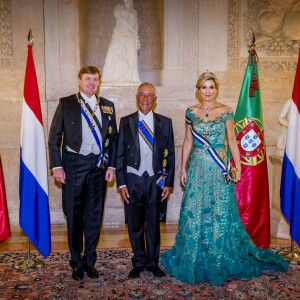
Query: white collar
[(149, 115), (93, 99)]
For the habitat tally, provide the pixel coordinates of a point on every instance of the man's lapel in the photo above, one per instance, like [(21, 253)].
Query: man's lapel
[(133, 122), (157, 124), (105, 118), (75, 108)]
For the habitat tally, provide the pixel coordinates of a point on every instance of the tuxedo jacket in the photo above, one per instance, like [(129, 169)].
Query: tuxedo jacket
[(66, 130), (128, 153)]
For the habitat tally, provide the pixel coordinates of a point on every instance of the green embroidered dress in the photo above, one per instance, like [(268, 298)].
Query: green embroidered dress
[(212, 243)]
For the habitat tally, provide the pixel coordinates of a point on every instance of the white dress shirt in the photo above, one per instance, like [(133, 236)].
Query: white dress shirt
[(89, 144), (145, 152)]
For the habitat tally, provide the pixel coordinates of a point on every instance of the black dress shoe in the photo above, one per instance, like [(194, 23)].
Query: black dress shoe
[(134, 273), (91, 272), (77, 274), (156, 271)]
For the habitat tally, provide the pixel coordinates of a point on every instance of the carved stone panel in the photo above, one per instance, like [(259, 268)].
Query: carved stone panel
[(233, 29), (5, 35), (276, 24)]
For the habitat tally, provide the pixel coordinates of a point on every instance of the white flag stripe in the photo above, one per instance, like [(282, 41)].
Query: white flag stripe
[(33, 146), (293, 138)]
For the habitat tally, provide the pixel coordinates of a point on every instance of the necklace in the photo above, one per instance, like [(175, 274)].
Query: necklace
[(208, 109), (90, 115), (95, 108)]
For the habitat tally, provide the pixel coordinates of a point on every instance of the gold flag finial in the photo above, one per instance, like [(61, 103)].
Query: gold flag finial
[(30, 37), (252, 40)]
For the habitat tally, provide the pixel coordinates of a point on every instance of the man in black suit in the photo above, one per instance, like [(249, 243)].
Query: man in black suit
[(82, 153), (145, 174)]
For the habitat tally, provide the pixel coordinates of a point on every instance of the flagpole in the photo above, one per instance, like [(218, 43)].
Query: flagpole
[(28, 262), (292, 255)]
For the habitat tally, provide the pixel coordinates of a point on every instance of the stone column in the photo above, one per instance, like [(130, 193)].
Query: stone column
[(279, 227), (180, 42), (62, 59), (213, 14), (62, 47)]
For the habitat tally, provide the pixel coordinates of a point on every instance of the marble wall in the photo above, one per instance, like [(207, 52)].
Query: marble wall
[(180, 39)]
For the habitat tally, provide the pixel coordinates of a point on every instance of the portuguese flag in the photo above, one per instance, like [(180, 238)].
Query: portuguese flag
[(253, 189)]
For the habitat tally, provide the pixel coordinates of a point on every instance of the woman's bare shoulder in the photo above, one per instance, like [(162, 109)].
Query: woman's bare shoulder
[(223, 107)]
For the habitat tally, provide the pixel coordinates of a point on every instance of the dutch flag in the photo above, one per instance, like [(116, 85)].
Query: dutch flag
[(33, 185), (290, 178)]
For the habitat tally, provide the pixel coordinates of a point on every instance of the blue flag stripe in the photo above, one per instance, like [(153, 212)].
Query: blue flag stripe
[(34, 218), (290, 189)]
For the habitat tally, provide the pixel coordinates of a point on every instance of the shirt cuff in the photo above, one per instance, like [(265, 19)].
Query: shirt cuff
[(55, 168)]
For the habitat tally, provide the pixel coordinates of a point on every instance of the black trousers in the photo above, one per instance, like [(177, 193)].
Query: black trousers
[(83, 204), (142, 213)]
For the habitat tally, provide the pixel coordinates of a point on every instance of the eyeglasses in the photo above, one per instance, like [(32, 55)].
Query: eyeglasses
[(150, 96)]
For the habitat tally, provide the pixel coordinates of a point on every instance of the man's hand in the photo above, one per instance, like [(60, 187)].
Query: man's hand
[(124, 194), (165, 193), (110, 174), (59, 175)]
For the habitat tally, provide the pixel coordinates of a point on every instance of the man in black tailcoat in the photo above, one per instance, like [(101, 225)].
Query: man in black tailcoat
[(82, 153), (145, 175)]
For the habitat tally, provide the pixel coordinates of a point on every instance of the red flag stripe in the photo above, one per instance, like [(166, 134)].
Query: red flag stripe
[(4, 218), (296, 90), (31, 93)]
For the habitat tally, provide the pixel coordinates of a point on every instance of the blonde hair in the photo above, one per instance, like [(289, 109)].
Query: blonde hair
[(208, 76)]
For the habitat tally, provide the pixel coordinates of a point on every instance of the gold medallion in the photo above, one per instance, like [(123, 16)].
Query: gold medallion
[(164, 163), (166, 152), (222, 154)]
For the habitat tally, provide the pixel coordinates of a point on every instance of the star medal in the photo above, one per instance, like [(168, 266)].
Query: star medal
[(106, 143)]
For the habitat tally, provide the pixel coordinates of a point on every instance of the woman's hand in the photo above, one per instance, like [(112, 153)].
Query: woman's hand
[(238, 175), (183, 177)]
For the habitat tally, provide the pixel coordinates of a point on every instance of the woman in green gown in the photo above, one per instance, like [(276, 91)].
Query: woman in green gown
[(212, 243)]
